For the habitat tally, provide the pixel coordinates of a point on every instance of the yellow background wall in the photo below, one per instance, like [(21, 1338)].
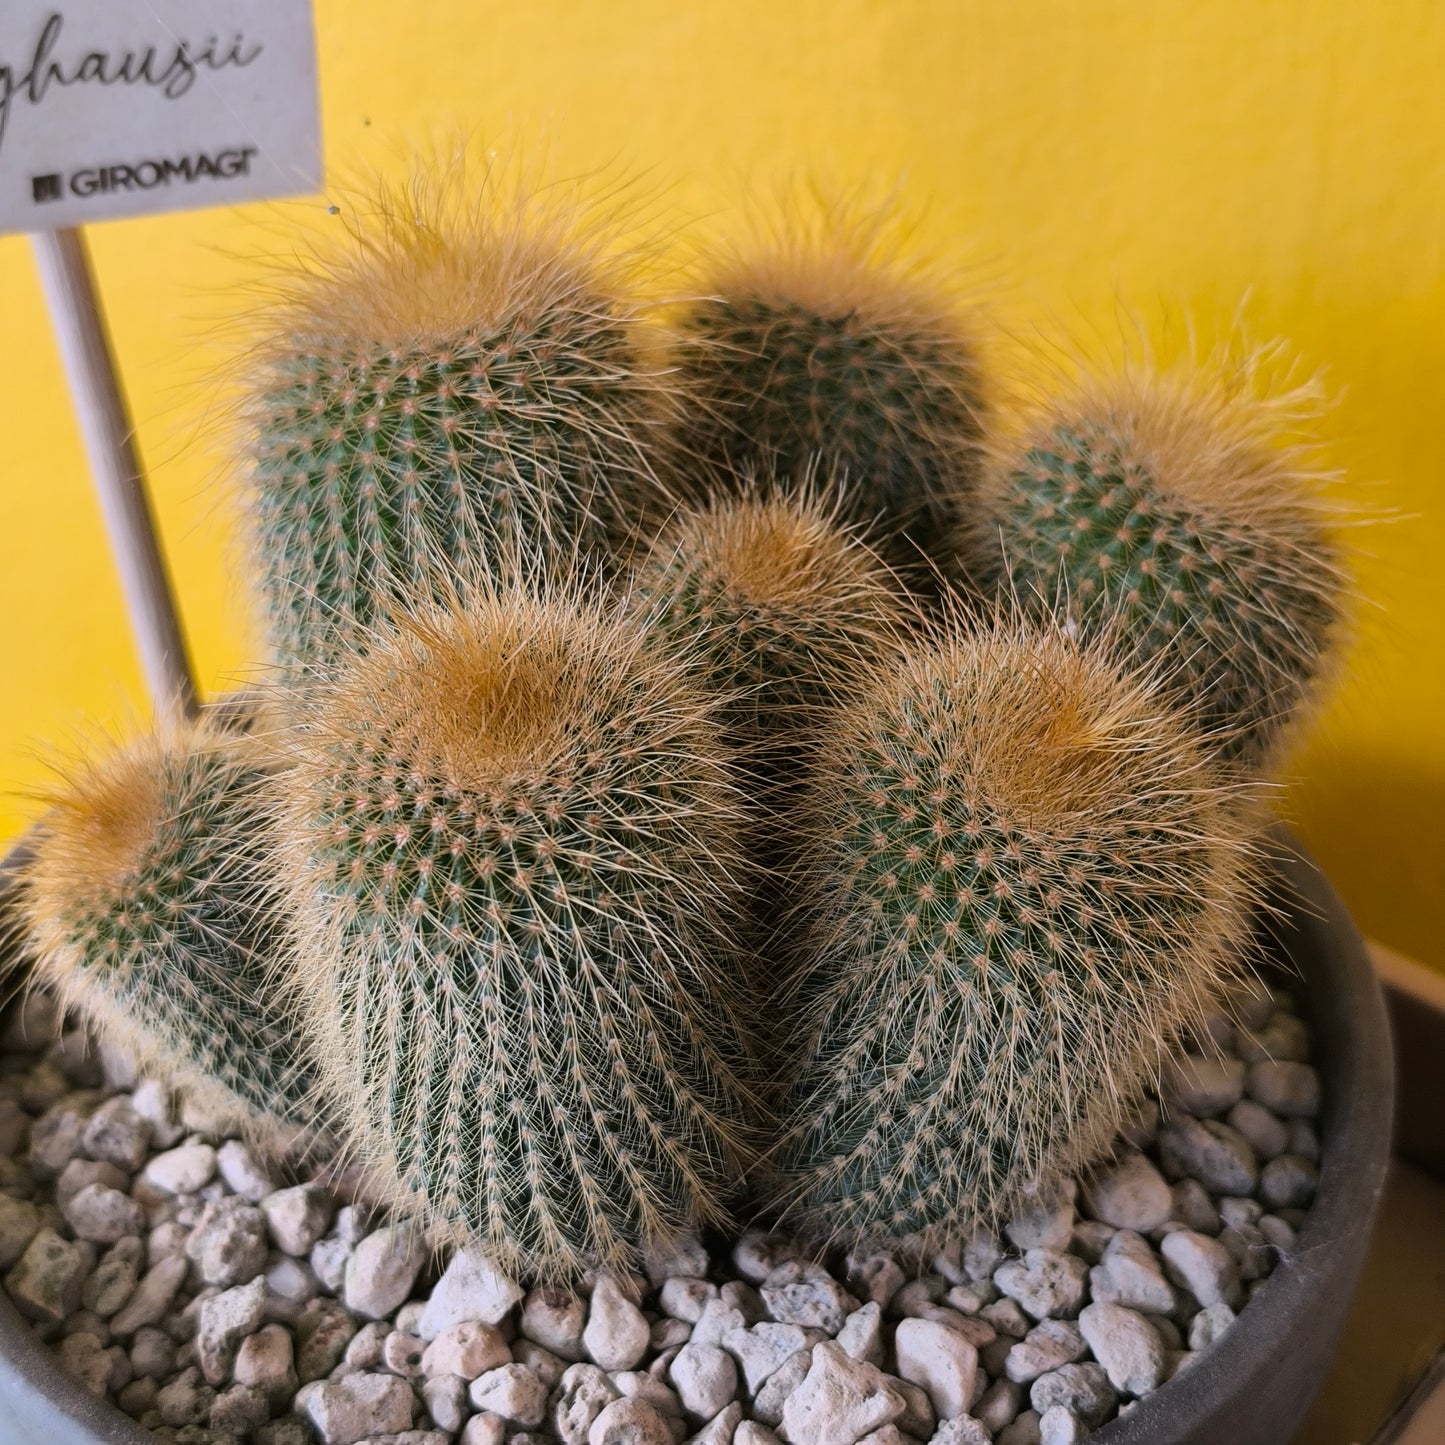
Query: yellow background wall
[(1095, 153)]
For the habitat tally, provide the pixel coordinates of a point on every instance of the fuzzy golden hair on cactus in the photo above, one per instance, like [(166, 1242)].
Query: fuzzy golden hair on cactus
[(1176, 508), (510, 838), (149, 907), (783, 611), (1020, 877), (819, 344), (461, 383)]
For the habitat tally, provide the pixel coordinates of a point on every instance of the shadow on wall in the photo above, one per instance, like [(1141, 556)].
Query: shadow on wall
[(1378, 829)]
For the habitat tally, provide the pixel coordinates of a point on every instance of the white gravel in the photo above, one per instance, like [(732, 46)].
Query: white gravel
[(220, 1299)]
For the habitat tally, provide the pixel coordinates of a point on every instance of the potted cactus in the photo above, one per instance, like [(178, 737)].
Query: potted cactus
[(741, 846)]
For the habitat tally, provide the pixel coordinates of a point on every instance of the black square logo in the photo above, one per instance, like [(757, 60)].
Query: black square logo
[(44, 188)]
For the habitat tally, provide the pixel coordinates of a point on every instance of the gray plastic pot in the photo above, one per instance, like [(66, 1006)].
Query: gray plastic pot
[(1252, 1388)]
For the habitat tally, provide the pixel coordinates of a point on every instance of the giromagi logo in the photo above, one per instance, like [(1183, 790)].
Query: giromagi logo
[(143, 175)]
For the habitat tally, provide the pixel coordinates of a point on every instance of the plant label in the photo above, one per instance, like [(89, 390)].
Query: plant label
[(129, 107)]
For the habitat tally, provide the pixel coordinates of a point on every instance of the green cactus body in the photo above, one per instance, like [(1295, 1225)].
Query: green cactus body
[(835, 361), (1197, 551), (1019, 880), (510, 834), (458, 397), (782, 612), (149, 908)]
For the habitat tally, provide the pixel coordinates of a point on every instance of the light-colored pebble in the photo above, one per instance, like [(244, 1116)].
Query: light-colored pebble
[(778, 1388), (1286, 1088), (228, 1243), (1288, 1182), (1047, 1346), (445, 1398), (223, 1322), (19, 1224), (940, 1360), (761, 1349), (877, 1277), (705, 1378), (961, 1430), (83, 1357), (401, 1353), (1209, 1324), (721, 1429), (617, 1331), (757, 1254), (152, 1296), (382, 1270), (103, 1215), (1211, 1152), (183, 1170), (1130, 1194), (468, 1350), (1267, 1134), (151, 1101), (358, 1406), (1060, 1426), (1205, 1087), (485, 1430), (297, 1218), (1130, 1274), (862, 1334), (840, 1400), (511, 1391), (1023, 1431), (243, 1172), (751, 1433), (471, 1288), (118, 1135), (629, 1422), (238, 1411), (799, 1293), (998, 1405), (1126, 1345), (555, 1319), (1203, 1266), (1194, 1207), (1047, 1223), (1084, 1390), (581, 1396), (323, 1332), (266, 1360), (685, 1299), (187, 1399), (1044, 1282), (45, 1282)]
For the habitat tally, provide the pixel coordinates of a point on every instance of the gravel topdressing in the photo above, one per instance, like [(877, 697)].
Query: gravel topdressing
[(215, 1301)]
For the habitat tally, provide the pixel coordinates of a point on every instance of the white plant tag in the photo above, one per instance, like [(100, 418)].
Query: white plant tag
[(129, 107)]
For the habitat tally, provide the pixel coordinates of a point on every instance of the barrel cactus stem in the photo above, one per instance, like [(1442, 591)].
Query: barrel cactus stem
[(1170, 509), (1020, 877), (149, 908), (509, 835)]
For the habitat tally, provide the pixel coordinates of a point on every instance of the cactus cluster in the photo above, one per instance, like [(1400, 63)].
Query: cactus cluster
[(509, 833), (761, 873), (153, 909), (1163, 510), (823, 350), (465, 387)]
